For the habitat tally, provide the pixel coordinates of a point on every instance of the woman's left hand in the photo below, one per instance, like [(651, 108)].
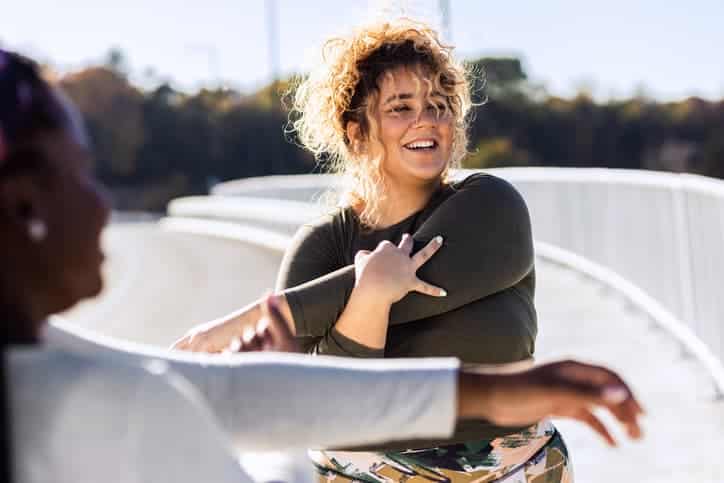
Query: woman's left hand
[(390, 273)]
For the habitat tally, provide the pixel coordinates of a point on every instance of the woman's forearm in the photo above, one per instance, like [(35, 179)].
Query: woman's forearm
[(365, 319), (276, 401)]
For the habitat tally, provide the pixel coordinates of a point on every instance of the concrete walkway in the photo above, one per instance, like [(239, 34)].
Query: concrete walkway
[(162, 283), (159, 284), (682, 444)]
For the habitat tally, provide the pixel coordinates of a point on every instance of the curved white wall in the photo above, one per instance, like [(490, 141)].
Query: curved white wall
[(663, 232)]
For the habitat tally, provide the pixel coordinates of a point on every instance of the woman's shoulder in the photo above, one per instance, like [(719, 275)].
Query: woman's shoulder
[(484, 180), (335, 223), (332, 216), (489, 187)]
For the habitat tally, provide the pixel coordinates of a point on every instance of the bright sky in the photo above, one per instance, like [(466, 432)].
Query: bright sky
[(611, 47)]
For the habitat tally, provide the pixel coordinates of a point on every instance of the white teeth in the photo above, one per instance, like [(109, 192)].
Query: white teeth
[(420, 144)]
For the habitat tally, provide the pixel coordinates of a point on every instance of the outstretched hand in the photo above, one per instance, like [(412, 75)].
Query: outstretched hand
[(567, 389)]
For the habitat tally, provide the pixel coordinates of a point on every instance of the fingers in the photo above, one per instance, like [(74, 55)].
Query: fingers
[(361, 254), (250, 341), (591, 379), (587, 386), (614, 392), (277, 334), (270, 333), (421, 257), (194, 342), (623, 405), (428, 289), (571, 402), (628, 417), (182, 344), (590, 419), (406, 244)]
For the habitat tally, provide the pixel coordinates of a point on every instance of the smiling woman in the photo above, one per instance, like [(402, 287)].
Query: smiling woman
[(410, 264), (357, 108), (390, 109)]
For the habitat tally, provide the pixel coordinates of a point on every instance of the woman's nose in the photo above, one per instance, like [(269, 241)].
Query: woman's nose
[(426, 117), (104, 201)]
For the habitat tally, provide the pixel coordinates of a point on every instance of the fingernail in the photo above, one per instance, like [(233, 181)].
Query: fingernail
[(247, 335), (615, 395), (262, 325), (235, 345), (438, 240), (443, 293)]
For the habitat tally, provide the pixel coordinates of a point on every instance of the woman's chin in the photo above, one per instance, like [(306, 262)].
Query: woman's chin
[(89, 286), (428, 171)]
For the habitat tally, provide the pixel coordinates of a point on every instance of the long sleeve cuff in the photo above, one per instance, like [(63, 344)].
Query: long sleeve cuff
[(337, 344)]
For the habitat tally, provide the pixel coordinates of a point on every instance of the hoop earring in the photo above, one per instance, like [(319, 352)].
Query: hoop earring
[(37, 230)]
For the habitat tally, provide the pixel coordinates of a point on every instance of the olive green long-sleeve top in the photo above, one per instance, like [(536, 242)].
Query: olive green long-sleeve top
[(486, 265)]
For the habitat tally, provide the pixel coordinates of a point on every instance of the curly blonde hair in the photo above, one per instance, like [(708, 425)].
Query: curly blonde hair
[(345, 89)]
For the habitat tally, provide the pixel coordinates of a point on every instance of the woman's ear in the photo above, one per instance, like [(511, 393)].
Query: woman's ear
[(20, 201), (354, 134)]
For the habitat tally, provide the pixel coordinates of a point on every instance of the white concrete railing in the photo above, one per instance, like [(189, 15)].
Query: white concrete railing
[(277, 242), (662, 233)]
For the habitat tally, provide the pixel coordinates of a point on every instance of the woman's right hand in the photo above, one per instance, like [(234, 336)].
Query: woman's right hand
[(214, 336), (390, 273), (567, 389), (220, 334)]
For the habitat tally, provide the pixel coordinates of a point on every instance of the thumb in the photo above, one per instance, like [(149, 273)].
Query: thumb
[(362, 254), (278, 328)]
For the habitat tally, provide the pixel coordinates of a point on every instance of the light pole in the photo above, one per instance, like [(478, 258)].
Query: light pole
[(444, 7), (272, 29)]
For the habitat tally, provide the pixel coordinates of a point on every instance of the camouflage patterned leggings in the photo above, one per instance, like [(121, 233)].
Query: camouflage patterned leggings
[(536, 455)]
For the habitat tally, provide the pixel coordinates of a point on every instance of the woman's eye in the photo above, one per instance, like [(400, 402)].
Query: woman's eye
[(400, 108)]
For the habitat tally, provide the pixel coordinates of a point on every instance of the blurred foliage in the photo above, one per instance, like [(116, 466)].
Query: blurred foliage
[(497, 152), (154, 145)]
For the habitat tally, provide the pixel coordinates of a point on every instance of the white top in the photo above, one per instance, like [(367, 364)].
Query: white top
[(84, 411)]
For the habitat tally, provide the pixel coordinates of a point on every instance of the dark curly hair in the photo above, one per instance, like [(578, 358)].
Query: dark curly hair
[(28, 107)]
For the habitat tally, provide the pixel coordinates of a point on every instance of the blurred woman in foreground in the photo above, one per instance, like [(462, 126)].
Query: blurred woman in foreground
[(89, 413)]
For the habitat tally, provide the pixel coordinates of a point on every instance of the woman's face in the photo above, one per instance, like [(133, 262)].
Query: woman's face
[(416, 136), (51, 272), (77, 212)]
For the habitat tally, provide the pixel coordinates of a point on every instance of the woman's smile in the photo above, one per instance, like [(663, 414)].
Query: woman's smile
[(415, 129), (422, 145)]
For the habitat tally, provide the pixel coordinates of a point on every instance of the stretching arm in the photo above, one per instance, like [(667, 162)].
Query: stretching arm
[(488, 248), (349, 402), (278, 401)]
